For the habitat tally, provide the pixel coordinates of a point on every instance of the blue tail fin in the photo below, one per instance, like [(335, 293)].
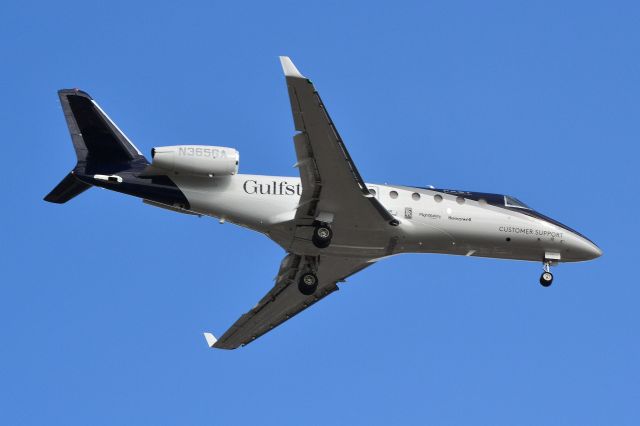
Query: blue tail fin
[(101, 147)]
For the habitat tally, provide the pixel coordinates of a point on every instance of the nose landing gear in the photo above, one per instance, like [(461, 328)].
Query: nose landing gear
[(547, 277)]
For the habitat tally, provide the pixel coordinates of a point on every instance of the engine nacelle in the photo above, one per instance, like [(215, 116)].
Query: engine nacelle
[(199, 160)]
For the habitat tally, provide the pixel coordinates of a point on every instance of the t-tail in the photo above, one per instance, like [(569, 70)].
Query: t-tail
[(101, 147), (106, 157)]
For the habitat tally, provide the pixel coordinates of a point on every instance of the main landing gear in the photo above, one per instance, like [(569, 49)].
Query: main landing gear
[(547, 277), (322, 235), (308, 283)]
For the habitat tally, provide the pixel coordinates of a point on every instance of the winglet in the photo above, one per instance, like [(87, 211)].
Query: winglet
[(211, 339), (289, 69)]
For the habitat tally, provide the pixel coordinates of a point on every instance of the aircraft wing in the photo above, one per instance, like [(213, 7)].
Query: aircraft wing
[(330, 180), (284, 300)]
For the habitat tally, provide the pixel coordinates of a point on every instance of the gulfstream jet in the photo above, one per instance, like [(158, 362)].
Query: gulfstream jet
[(330, 222)]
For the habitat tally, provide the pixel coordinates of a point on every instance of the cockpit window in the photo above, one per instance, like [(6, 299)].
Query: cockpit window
[(514, 202)]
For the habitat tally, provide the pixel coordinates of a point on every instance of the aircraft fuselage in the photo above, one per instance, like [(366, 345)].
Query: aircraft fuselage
[(430, 220)]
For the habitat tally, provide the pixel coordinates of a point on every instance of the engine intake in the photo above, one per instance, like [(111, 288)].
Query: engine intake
[(199, 160)]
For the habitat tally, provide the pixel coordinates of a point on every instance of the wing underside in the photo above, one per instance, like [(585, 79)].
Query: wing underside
[(284, 300), (330, 180)]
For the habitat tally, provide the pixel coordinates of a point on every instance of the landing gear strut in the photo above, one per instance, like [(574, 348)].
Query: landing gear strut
[(322, 235), (308, 283), (547, 277)]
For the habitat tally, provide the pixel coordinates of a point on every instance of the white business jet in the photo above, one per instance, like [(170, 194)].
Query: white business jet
[(328, 220)]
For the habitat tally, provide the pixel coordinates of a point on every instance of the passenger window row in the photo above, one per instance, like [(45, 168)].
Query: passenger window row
[(437, 197)]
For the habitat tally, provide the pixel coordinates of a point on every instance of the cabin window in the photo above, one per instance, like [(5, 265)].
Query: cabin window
[(393, 194), (372, 191), (438, 198), (415, 196), (460, 200)]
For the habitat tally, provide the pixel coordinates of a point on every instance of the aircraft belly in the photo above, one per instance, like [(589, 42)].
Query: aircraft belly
[(345, 243)]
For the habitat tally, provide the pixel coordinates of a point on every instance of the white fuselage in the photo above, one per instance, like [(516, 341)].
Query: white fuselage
[(431, 221)]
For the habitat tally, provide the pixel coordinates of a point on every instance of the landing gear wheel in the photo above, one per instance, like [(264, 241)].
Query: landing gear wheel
[(546, 279), (308, 283), (322, 235)]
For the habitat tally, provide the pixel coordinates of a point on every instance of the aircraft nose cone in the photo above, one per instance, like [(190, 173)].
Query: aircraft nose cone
[(595, 251), (588, 250)]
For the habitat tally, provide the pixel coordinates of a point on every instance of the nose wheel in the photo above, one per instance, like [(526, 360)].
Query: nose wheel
[(547, 277)]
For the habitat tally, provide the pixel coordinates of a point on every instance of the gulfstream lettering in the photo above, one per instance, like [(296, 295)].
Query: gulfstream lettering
[(272, 188)]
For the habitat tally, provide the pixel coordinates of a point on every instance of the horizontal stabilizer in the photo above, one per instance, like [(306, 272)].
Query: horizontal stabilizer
[(67, 189)]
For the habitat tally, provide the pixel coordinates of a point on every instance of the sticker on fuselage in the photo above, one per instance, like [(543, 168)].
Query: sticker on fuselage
[(408, 212)]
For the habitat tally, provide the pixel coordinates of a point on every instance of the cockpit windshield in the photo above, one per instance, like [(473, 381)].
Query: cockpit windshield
[(514, 202)]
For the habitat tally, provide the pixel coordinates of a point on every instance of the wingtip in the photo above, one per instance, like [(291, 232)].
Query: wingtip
[(211, 339), (289, 68)]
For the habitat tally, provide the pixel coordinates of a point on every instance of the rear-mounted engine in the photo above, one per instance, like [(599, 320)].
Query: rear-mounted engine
[(198, 160)]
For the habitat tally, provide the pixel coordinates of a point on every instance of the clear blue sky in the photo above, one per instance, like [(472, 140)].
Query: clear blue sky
[(104, 299)]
